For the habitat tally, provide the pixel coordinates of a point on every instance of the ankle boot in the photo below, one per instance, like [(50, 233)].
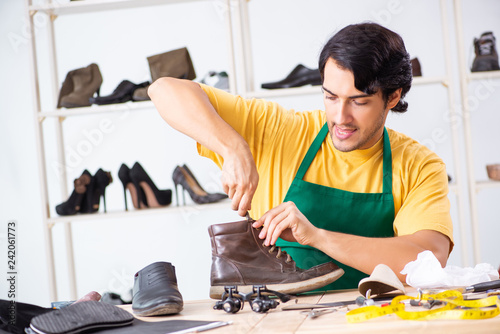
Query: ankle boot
[(486, 53), (74, 202), (175, 64), (96, 189), (240, 258), (84, 82)]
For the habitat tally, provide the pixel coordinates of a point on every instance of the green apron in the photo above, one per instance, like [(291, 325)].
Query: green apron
[(363, 214)]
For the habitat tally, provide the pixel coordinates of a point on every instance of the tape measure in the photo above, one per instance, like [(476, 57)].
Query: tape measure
[(455, 307)]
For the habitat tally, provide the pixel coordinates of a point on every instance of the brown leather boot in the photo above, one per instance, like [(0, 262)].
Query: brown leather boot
[(240, 258), (175, 64), (79, 86)]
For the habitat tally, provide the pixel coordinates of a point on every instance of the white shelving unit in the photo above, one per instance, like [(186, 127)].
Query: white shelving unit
[(466, 78), (245, 57), (53, 9)]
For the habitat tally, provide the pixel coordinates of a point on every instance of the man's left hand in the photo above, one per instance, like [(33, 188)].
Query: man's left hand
[(287, 222)]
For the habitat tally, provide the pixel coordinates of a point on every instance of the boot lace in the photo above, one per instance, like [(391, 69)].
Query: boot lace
[(280, 252)]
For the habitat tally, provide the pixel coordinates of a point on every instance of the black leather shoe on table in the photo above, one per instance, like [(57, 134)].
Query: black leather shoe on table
[(300, 76), (155, 291)]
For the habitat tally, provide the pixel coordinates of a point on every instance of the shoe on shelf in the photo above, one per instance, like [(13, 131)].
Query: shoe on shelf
[(416, 69), (176, 64), (240, 258), (122, 93), (137, 199), (184, 177), (147, 192), (155, 291), (486, 54), (300, 76), (74, 202), (95, 190), (218, 80), (141, 94), (79, 86)]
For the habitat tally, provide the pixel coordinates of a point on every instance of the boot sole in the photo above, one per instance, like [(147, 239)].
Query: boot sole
[(160, 309), (288, 288)]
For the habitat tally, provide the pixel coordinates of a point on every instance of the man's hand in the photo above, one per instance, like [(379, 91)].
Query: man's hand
[(240, 179), (286, 221)]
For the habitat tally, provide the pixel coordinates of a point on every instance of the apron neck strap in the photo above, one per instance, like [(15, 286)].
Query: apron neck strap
[(315, 146), (311, 152)]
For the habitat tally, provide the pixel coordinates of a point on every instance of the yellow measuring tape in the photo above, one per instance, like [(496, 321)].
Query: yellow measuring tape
[(455, 307)]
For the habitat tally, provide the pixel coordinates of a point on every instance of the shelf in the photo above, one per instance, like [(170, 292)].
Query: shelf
[(95, 109), (89, 6), (284, 92), (483, 75), (480, 185), (186, 209), (429, 80), (310, 90)]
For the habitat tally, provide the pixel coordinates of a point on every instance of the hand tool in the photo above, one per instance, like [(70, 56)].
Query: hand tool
[(479, 287), (317, 313), (305, 306)]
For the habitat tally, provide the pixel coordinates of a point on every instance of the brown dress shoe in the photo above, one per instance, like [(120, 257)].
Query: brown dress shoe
[(240, 258)]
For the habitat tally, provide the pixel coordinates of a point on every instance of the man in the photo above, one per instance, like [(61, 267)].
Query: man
[(364, 196)]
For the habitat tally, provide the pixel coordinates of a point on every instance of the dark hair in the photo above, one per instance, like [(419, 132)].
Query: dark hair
[(375, 55)]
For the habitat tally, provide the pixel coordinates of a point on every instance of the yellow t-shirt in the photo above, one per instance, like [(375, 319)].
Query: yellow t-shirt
[(279, 139)]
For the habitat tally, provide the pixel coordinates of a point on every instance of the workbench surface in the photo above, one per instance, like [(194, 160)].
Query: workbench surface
[(293, 321)]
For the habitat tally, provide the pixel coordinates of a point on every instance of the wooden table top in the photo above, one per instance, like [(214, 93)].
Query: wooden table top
[(293, 321)]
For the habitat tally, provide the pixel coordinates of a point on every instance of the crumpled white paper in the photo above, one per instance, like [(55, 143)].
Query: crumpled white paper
[(426, 273)]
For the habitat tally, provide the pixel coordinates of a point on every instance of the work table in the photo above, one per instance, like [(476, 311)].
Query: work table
[(293, 321)]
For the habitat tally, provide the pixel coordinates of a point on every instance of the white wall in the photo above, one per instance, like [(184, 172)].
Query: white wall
[(284, 33)]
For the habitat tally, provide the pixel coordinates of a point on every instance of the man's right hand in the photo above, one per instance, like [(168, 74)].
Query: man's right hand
[(186, 108), (240, 179)]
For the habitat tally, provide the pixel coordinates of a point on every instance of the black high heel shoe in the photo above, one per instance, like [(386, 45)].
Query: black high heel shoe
[(73, 204), (95, 190), (150, 194), (184, 177), (136, 193)]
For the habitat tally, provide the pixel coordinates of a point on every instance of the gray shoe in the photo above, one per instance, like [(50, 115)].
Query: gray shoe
[(155, 291), (486, 53)]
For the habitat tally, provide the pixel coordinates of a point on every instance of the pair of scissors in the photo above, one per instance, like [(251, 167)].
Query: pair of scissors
[(317, 313)]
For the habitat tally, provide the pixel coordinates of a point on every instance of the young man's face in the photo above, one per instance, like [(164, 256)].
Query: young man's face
[(355, 120)]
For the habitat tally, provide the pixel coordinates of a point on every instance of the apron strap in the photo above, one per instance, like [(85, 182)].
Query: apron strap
[(311, 152), (387, 165)]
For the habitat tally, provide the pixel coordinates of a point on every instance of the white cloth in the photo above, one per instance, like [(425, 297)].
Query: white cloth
[(426, 272)]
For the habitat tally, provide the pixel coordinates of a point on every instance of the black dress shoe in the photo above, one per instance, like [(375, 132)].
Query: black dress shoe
[(155, 291), (300, 76), (121, 94)]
